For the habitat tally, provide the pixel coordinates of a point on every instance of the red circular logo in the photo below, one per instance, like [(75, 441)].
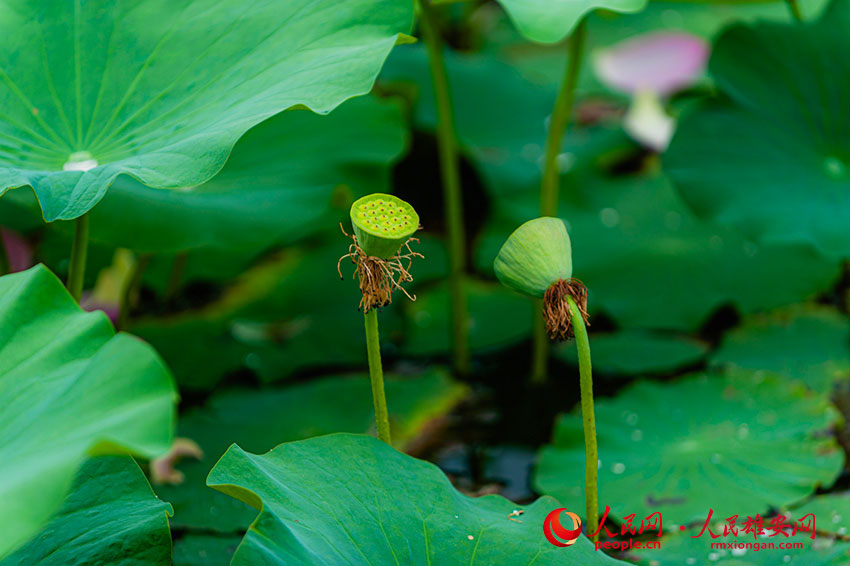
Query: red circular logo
[(556, 533)]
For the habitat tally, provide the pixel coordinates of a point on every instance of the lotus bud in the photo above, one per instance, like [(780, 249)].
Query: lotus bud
[(536, 260)]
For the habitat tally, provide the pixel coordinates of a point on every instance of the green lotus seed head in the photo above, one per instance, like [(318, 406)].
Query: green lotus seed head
[(382, 223), (535, 256)]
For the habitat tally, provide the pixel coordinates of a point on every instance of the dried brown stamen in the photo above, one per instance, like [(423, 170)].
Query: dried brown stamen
[(379, 277), (556, 309)]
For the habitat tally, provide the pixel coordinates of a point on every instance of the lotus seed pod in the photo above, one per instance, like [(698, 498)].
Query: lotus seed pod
[(382, 223), (535, 256)]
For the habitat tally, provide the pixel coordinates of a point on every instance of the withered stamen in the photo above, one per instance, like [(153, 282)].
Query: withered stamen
[(378, 277), (556, 309)]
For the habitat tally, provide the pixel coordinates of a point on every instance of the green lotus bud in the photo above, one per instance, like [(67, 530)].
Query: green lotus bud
[(537, 255), (382, 223)]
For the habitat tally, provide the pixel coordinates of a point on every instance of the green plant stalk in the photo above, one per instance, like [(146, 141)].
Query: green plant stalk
[(175, 278), (130, 292), (450, 173), (5, 267), (795, 10), (539, 345), (591, 467), (79, 251), (561, 116), (376, 374)]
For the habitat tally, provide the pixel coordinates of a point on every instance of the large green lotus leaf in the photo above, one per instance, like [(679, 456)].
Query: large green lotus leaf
[(648, 262), (736, 443), (286, 179), (161, 90), (259, 420), (636, 352), (70, 387), (548, 21), (111, 516), (780, 172), (688, 549), (831, 512), (810, 343), (349, 499), (497, 318), (205, 550)]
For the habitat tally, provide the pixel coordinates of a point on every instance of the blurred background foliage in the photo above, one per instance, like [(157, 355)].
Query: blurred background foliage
[(714, 309)]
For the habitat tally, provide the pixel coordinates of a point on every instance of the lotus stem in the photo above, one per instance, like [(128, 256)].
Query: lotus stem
[(795, 10), (130, 292), (539, 345), (384, 226), (452, 196), (591, 468), (175, 278), (561, 115), (5, 266), (79, 251), (376, 374)]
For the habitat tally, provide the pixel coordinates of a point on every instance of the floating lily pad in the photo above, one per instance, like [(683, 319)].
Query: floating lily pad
[(262, 419), (648, 262), (636, 352), (498, 318), (831, 511), (548, 21), (288, 178), (348, 499), (810, 343), (161, 91), (779, 172), (69, 387), (736, 443), (683, 550), (111, 516)]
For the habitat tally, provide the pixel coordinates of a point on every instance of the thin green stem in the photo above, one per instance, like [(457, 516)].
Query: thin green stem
[(450, 173), (795, 10), (591, 467), (540, 346), (130, 292), (79, 250), (560, 119), (5, 267), (376, 374), (175, 278), (561, 116)]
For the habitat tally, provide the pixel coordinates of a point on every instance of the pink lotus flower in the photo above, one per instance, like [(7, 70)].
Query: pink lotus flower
[(661, 62)]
